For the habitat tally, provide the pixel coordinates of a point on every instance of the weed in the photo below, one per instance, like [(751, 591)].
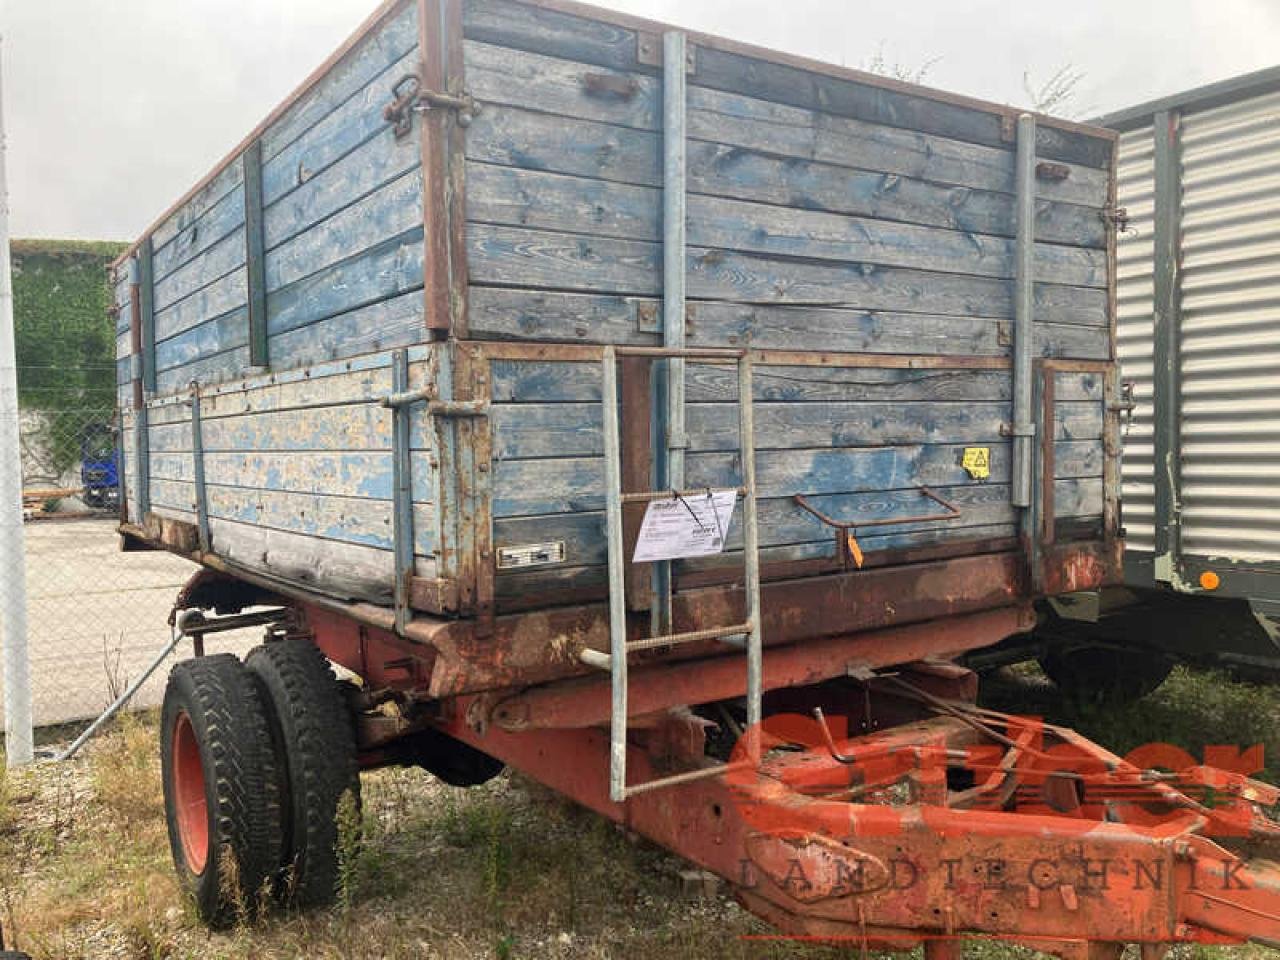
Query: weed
[(350, 832)]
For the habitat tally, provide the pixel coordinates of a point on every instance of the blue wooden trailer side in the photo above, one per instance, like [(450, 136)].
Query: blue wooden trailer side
[(859, 236)]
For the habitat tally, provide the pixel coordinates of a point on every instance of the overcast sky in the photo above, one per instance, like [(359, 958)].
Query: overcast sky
[(115, 107)]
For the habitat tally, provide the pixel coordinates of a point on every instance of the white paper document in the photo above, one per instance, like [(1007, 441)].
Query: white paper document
[(692, 526)]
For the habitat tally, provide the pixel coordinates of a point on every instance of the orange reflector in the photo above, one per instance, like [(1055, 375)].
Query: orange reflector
[(1210, 580)]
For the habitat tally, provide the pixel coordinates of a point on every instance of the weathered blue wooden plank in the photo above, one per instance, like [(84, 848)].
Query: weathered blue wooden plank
[(220, 221), (745, 149), (552, 32), (227, 179), (387, 270), (714, 426), (359, 381), (547, 201), (740, 120), (348, 126), (396, 322), (220, 297), (392, 210), (533, 315), (217, 335), (124, 345), (218, 261), (782, 83), (395, 37), (217, 368), (343, 474), (364, 427), (783, 522), (524, 381), (377, 161), (529, 431), (346, 520), (576, 484), (510, 256), (499, 75)]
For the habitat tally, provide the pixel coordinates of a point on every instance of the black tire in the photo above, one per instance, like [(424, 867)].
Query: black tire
[(316, 758), (215, 748), (1105, 676)]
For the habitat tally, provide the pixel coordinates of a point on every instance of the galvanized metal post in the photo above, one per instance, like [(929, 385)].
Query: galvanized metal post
[(617, 579), (1167, 349), (751, 546), (18, 738), (197, 457), (1024, 313), (402, 490), (669, 463)]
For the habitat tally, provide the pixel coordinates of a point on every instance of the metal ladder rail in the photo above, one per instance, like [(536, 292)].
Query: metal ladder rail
[(616, 660)]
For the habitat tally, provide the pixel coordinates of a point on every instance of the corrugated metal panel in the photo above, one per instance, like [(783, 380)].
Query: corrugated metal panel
[(1230, 290), (1135, 253)]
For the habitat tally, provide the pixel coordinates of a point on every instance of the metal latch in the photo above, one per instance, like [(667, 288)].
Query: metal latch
[(1126, 406), (409, 98), (1118, 218)]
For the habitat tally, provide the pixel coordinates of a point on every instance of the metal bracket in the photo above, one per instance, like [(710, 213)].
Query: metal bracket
[(649, 52), (1017, 429), (409, 98)]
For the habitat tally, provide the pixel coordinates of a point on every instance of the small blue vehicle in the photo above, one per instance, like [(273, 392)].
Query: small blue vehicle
[(99, 467)]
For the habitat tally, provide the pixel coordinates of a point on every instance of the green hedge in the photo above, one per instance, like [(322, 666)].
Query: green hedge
[(65, 339)]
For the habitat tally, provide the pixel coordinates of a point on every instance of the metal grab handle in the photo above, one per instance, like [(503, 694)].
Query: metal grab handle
[(953, 513)]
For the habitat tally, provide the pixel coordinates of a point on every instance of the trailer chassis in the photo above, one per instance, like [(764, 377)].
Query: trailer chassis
[(908, 816)]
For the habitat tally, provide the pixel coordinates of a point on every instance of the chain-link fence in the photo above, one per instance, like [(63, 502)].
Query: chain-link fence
[(96, 616)]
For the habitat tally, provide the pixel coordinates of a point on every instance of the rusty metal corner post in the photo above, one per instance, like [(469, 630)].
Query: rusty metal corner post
[(1167, 322), (441, 139)]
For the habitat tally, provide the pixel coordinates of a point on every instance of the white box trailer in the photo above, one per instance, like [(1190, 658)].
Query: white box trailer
[(1198, 340)]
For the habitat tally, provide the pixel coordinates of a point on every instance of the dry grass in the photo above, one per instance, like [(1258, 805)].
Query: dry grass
[(500, 871)]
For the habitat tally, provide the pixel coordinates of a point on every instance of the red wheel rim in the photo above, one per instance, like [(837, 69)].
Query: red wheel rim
[(191, 810)]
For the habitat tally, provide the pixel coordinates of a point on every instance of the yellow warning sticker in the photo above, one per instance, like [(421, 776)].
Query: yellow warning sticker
[(977, 461)]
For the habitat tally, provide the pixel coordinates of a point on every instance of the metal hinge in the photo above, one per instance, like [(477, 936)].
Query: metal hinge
[(409, 98)]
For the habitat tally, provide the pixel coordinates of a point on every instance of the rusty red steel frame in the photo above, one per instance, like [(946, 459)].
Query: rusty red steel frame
[(946, 823)]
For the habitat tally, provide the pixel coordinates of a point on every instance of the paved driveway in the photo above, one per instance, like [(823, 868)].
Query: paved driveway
[(97, 617)]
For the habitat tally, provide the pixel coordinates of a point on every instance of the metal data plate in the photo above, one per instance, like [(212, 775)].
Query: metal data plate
[(531, 555)]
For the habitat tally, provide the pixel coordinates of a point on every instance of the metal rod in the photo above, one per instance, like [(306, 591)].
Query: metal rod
[(402, 490), (19, 749), (693, 636), (594, 658), (197, 456), (692, 776), (123, 699), (751, 550), (617, 579), (407, 397), (1024, 311), (953, 513), (195, 625), (667, 495)]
